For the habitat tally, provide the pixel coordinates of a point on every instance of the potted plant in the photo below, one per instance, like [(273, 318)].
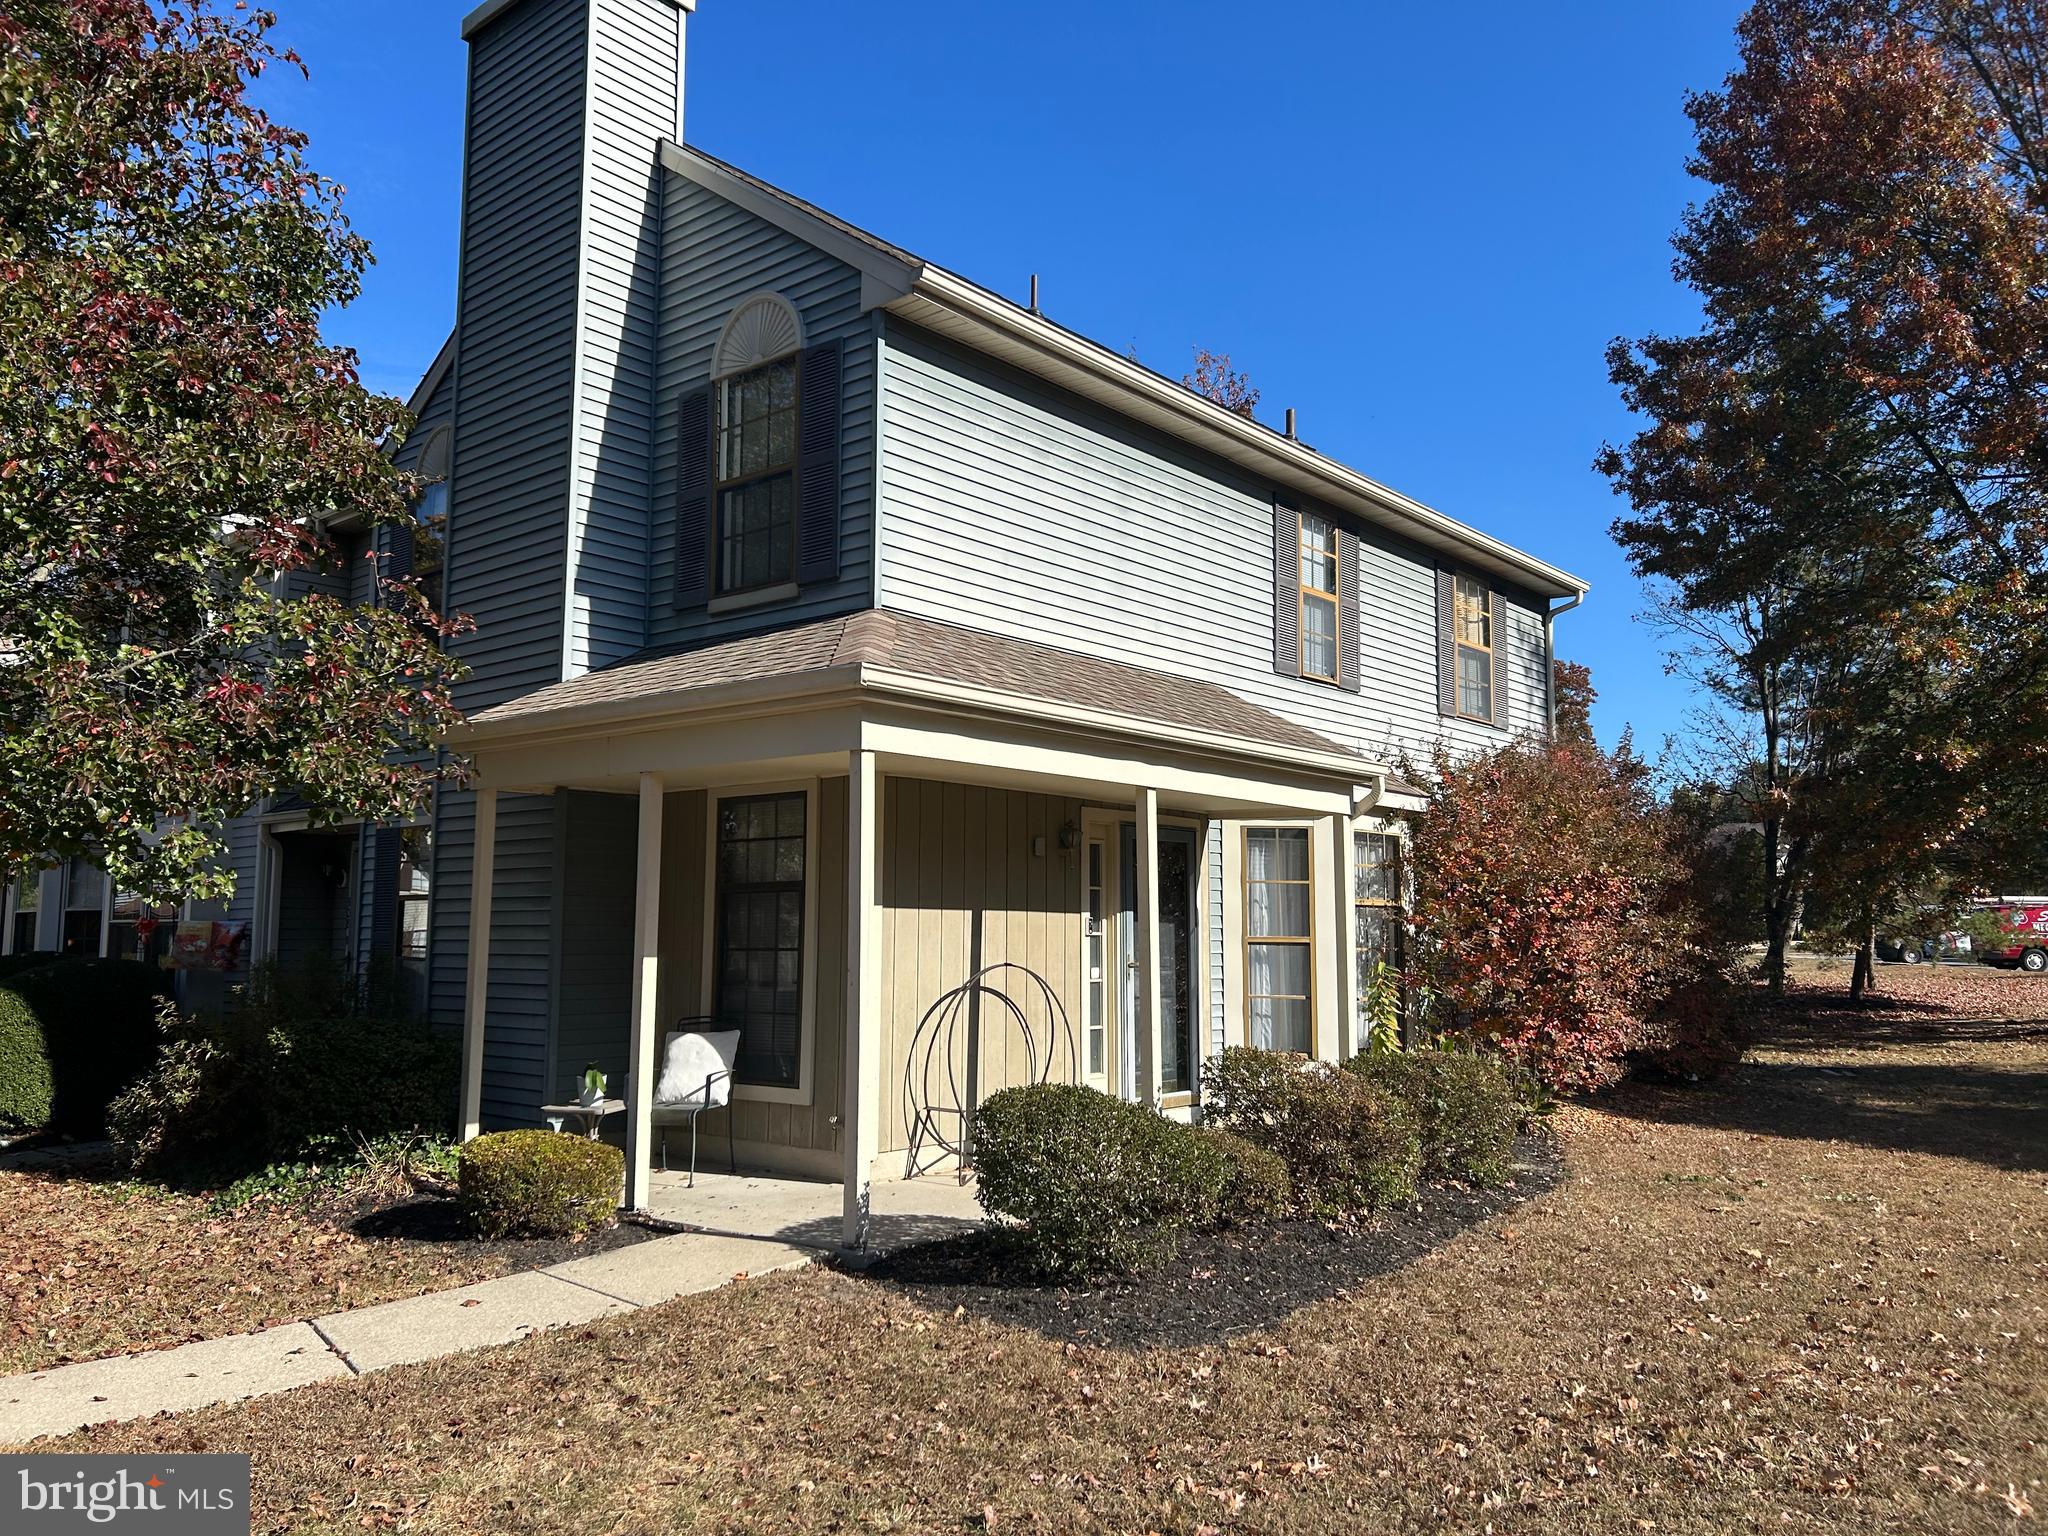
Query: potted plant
[(593, 1085)]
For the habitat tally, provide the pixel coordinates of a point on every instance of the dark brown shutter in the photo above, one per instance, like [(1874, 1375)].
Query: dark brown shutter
[(696, 445), (1286, 591), (817, 464), (1497, 632), (1347, 612), (1446, 642), (397, 550)]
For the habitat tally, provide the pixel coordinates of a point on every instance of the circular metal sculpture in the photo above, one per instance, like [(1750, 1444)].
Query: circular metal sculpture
[(943, 1069)]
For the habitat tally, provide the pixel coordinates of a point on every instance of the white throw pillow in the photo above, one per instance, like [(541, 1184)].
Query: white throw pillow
[(692, 1057)]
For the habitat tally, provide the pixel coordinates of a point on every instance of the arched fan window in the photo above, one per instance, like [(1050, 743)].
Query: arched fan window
[(754, 373)]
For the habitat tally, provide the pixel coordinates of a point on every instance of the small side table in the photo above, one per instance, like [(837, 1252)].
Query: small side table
[(591, 1115)]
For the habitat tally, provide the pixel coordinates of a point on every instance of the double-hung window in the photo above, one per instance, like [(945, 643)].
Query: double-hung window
[(430, 515), (759, 961), (754, 543), (1318, 598), (1376, 914), (1279, 993), (1472, 627)]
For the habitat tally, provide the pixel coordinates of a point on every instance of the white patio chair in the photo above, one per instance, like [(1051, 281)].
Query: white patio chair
[(696, 1074)]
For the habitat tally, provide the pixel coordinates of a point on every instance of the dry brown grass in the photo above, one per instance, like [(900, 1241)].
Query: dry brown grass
[(1800, 1300), (92, 1267)]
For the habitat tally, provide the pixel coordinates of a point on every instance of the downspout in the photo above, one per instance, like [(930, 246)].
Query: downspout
[(1550, 656)]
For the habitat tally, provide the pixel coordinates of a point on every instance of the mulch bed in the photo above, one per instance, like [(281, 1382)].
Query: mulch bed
[(435, 1221), (1226, 1282)]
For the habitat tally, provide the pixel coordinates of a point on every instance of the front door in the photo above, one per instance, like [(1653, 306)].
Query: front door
[(1179, 960)]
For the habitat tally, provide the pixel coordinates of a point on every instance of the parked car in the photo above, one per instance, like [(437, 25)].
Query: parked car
[(2023, 941)]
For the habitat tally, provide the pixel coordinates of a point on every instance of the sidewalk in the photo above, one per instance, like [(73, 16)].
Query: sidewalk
[(499, 1311)]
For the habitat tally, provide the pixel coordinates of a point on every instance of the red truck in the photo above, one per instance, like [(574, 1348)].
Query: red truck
[(2023, 940)]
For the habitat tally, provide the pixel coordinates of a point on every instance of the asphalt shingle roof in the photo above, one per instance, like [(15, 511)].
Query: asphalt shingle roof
[(926, 648)]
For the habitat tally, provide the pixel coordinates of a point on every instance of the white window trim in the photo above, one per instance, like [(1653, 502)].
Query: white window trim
[(1327, 951), (707, 989)]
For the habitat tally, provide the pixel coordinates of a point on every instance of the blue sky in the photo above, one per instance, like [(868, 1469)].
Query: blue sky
[(1417, 225)]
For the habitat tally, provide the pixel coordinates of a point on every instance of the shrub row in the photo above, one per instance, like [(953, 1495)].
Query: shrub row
[(72, 1033), (1097, 1186), (228, 1096)]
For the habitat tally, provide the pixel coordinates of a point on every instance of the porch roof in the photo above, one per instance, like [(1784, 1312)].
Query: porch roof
[(880, 642)]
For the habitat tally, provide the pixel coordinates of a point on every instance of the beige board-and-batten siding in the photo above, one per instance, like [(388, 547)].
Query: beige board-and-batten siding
[(962, 888)]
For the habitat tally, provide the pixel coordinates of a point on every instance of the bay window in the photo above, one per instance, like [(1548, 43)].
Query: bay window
[(1279, 990)]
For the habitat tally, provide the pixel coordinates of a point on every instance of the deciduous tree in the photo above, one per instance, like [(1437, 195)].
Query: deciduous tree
[(176, 444)]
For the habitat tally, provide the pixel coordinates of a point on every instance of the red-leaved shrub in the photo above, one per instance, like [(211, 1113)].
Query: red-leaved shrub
[(1546, 918)]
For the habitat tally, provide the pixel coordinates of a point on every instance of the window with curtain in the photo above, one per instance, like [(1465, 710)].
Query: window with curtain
[(755, 541), (1473, 619), (28, 899), (1279, 995), (1318, 598), (1376, 912), (412, 907), (760, 934), (85, 894)]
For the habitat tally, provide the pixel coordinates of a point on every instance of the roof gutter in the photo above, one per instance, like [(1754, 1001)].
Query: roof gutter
[(1063, 347), (827, 685), (1550, 616)]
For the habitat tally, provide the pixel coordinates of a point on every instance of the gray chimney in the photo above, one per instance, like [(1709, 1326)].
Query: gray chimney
[(556, 310)]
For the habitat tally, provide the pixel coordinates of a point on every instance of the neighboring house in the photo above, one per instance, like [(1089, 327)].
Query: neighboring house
[(843, 628)]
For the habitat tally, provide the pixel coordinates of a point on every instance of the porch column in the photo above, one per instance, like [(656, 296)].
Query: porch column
[(860, 1118), (1145, 945), (640, 1067), (1346, 931), (476, 990), (1328, 868)]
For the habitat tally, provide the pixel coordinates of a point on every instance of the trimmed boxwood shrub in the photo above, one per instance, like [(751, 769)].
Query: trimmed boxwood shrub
[(1349, 1145), (1100, 1187), (1256, 1185), (538, 1183), (1464, 1107), (24, 1066), (98, 1020)]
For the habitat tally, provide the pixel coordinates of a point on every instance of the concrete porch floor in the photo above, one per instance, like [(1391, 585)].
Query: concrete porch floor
[(807, 1212)]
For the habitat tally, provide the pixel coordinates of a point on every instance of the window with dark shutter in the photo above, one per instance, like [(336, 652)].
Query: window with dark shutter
[(1348, 676), (1469, 626), (694, 450), (817, 464), (1286, 591)]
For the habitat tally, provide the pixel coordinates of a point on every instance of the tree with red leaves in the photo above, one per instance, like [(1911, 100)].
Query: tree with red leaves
[(1545, 911), (176, 443), (1216, 380)]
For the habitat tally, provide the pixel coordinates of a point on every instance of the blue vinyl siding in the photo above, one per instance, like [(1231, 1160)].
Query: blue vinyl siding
[(1014, 508), (515, 342)]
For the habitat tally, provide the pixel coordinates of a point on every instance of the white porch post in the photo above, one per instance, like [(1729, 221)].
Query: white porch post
[(477, 987), (860, 1127), (1146, 945), (640, 1067), (1347, 937), (1327, 867)]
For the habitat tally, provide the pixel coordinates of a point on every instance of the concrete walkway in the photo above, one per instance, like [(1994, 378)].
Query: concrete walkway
[(500, 1311)]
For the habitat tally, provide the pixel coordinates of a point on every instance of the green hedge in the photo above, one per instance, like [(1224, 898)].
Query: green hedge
[(24, 1066), (1256, 1184), (98, 1029), (229, 1096), (1464, 1107), (1098, 1186), (1349, 1145), (27, 960), (538, 1183)]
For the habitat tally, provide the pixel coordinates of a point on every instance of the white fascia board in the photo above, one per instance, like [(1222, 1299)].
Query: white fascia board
[(830, 686), (966, 311), (884, 279), (491, 10)]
